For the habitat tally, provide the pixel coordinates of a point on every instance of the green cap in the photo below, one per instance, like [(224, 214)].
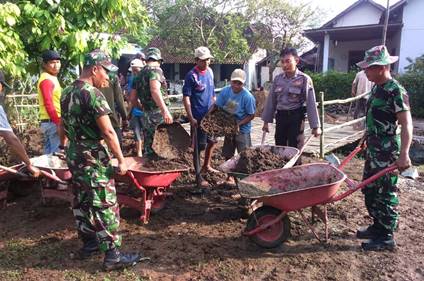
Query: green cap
[(153, 53), (98, 57), (377, 55)]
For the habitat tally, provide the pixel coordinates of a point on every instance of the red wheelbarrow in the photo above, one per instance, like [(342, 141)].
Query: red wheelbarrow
[(284, 190), (17, 172), (152, 184)]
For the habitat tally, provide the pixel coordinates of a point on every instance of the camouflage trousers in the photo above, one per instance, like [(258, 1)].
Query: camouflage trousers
[(381, 197), (95, 207), (151, 119)]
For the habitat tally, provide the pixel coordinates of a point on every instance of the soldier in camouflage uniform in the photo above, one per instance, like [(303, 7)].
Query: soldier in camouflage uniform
[(149, 92), (86, 122), (387, 107)]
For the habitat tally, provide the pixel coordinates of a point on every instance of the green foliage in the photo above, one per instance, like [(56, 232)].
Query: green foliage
[(416, 66), (12, 54), (188, 24), (335, 85), (281, 22), (72, 27), (414, 84)]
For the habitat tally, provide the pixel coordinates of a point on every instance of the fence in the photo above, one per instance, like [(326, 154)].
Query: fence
[(322, 105), (22, 107)]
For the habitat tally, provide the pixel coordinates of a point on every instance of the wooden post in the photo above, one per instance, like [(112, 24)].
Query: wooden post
[(321, 139)]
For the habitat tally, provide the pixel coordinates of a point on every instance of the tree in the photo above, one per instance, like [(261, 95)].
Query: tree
[(279, 24), (73, 27), (12, 53), (217, 24), (416, 66)]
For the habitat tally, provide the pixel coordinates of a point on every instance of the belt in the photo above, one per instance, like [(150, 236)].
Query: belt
[(290, 112), (45, 120)]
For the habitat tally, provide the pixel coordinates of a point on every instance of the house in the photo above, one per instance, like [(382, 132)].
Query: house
[(342, 41)]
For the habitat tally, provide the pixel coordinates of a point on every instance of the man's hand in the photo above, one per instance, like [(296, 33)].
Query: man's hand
[(167, 117), (316, 132), (403, 162), (34, 171), (194, 123), (122, 168), (265, 127)]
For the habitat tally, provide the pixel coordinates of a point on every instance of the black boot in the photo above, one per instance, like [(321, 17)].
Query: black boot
[(90, 247), (372, 231), (116, 260), (383, 242)]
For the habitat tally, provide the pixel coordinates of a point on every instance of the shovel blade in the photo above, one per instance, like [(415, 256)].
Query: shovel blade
[(170, 140), (411, 173), (333, 159)]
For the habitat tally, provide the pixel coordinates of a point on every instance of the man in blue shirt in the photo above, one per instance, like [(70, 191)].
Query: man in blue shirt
[(238, 101), (199, 96)]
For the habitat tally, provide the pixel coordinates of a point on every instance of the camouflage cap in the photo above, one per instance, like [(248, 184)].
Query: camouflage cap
[(153, 53), (377, 55), (98, 57)]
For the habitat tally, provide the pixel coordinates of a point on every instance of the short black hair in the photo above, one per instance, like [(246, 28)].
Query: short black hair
[(289, 51)]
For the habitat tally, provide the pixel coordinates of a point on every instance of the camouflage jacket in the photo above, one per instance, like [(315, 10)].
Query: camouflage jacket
[(141, 84), (385, 101), (81, 105)]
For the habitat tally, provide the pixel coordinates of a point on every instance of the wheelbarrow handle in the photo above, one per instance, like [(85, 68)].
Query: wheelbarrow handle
[(357, 149), (14, 171), (52, 176), (364, 183)]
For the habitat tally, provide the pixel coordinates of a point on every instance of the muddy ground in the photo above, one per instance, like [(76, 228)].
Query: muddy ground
[(199, 238)]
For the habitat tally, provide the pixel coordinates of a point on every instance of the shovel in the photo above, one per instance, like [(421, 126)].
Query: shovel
[(294, 159), (170, 140), (263, 138)]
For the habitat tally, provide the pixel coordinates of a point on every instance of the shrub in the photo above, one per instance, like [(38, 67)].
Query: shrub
[(414, 84), (335, 85)]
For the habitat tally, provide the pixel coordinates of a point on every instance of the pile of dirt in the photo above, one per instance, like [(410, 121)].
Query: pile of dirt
[(163, 165), (219, 123), (254, 160)]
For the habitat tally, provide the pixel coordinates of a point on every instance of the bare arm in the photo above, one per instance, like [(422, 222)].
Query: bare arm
[(187, 106), (405, 120), (15, 144), (111, 140), (158, 99), (246, 119)]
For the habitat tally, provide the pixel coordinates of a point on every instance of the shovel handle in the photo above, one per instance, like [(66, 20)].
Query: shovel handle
[(263, 138), (294, 159)]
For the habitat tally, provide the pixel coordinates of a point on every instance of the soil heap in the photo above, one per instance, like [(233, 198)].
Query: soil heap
[(219, 123), (254, 160)]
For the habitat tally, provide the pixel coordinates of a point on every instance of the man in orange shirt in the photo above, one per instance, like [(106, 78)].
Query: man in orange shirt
[(49, 92)]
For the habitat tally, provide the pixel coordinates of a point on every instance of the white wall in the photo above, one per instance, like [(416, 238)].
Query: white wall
[(340, 53), (361, 15), (412, 39)]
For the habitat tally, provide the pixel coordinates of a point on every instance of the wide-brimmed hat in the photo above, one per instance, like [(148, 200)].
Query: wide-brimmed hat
[(98, 57), (136, 63), (3, 80), (203, 53), (153, 53), (377, 55), (238, 75)]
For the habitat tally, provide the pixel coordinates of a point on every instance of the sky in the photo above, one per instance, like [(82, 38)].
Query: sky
[(334, 7)]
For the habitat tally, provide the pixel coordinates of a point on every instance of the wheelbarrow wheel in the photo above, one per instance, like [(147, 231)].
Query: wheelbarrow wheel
[(275, 234)]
